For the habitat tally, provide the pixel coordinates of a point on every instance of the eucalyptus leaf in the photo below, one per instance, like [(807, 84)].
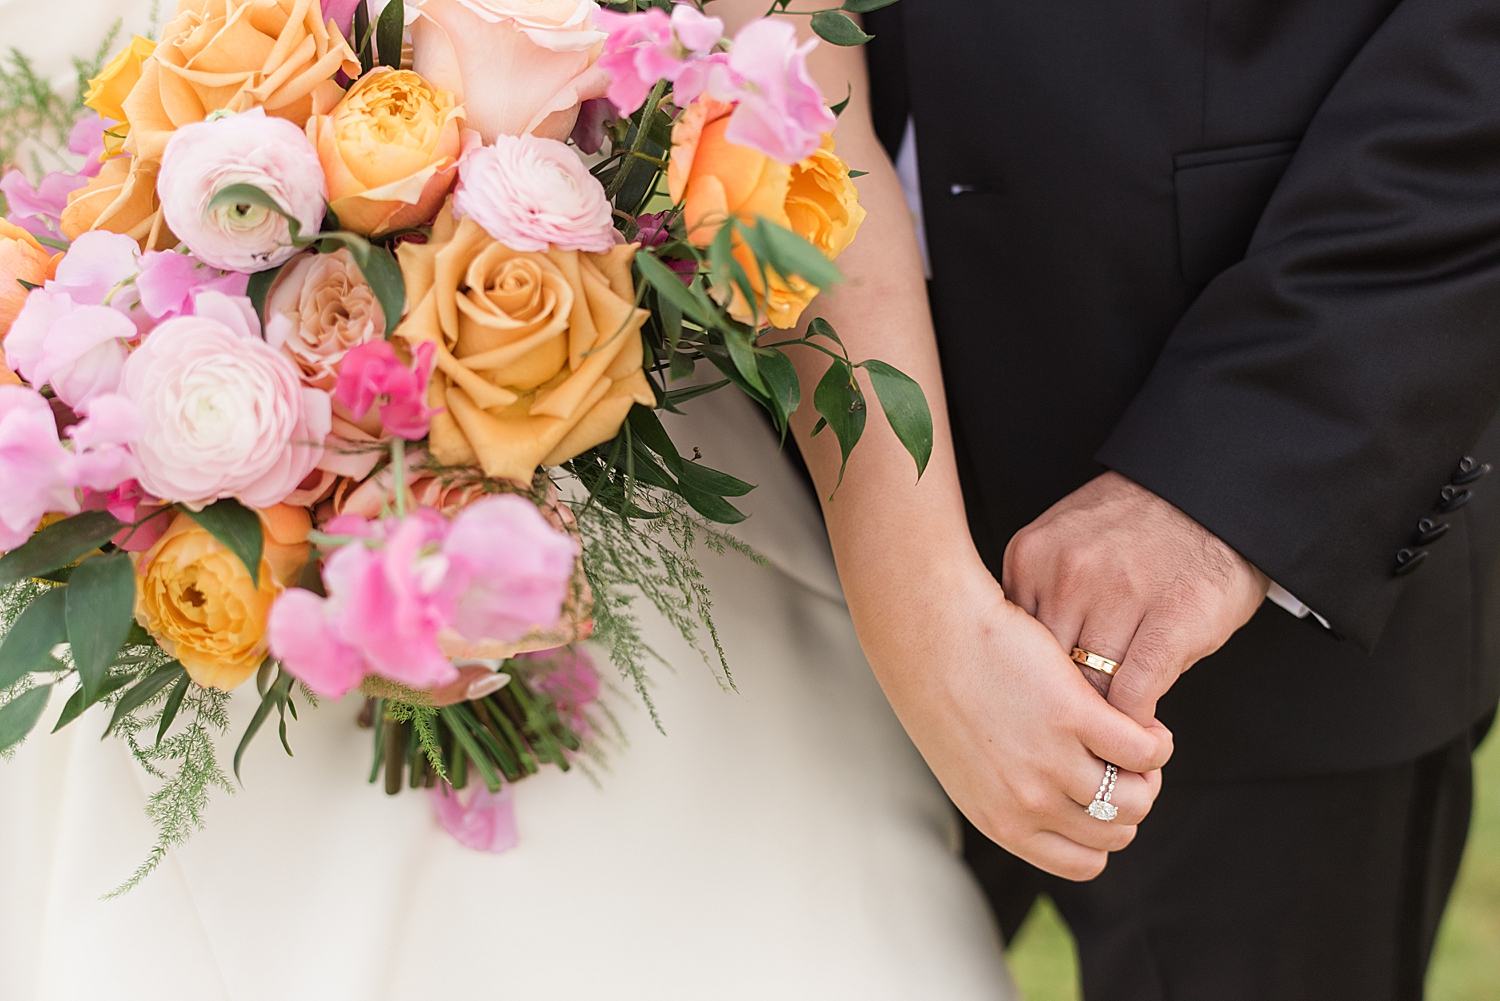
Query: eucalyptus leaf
[(676, 397), (275, 694), (865, 6), (388, 31), (905, 406), (820, 327), (238, 527), (236, 195), (100, 607), (780, 376), (696, 476), (18, 716), (28, 645), (259, 289), (836, 27), (842, 403), (838, 109), (742, 353), (147, 689), (712, 506), (58, 544)]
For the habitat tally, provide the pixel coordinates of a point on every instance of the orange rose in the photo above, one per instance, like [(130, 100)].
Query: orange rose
[(108, 90), (121, 199), (390, 151), (22, 259), (197, 600), (716, 180), (235, 55), (538, 355)]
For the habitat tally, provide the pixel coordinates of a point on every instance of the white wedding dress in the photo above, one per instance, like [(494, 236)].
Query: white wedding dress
[(782, 842)]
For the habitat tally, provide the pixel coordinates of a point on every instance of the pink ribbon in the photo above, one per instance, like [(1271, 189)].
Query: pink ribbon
[(477, 818)]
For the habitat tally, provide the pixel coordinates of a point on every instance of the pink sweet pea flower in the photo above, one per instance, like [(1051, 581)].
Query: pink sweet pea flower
[(169, 281), (780, 110), (341, 13), (372, 373), (497, 571), (650, 46), (38, 210), (477, 818), (572, 681)]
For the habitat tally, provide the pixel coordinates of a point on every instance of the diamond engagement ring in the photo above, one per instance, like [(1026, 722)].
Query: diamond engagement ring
[(1101, 808)]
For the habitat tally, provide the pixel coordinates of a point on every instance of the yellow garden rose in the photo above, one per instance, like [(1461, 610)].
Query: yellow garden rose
[(538, 355), (280, 55), (108, 90), (390, 151), (22, 259), (716, 180), (197, 600)]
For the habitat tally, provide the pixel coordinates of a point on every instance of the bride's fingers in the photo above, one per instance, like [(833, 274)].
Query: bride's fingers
[(1061, 856), (1131, 797), (1076, 825)]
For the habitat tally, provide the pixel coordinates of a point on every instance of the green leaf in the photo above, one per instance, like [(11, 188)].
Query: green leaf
[(905, 406), (380, 269), (720, 357), (28, 645), (362, 36), (174, 703), (238, 527), (675, 397), (58, 545), (820, 327), (842, 403), (388, 33), (145, 691), (648, 428), (28, 286), (275, 694), (838, 109), (670, 315), (865, 6), (780, 376), (55, 244), (243, 196), (789, 254), (699, 477), (100, 607), (670, 288), (857, 173), (259, 290), (18, 716), (711, 506), (742, 353), (836, 27), (76, 705)]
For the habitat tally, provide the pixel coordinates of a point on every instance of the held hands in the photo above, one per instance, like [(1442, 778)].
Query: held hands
[(1118, 571)]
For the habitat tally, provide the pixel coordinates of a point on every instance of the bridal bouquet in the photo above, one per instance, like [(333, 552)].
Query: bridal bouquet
[(337, 366)]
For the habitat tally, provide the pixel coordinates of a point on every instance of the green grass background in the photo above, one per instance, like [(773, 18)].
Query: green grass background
[(1465, 966)]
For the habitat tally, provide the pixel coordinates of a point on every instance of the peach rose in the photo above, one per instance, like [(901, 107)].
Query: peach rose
[(236, 55), (320, 307), (197, 600), (22, 259), (390, 151), (717, 180), (518, 66), (538, 355), (120, 199)]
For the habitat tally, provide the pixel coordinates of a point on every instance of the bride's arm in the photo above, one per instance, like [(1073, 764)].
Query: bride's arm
[(1003, 717)]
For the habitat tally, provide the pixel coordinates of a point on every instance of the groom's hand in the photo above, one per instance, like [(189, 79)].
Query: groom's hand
[(1118, 571)]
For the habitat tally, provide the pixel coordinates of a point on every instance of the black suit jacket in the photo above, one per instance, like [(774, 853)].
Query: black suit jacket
[(1247, 253)]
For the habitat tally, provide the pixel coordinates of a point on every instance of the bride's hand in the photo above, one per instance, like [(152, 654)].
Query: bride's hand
[(1015, 734)]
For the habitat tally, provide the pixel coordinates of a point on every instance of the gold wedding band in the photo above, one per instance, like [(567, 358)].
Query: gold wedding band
[(1098, 663)]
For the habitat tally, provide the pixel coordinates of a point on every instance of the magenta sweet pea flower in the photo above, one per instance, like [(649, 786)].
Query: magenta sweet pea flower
[(518, 567), (371, 374)]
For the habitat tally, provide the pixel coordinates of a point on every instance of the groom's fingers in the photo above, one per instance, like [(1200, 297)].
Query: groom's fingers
[(1159, 652), (1106, 631)]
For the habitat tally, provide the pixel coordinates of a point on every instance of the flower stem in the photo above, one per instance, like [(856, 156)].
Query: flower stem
[(640, 140), (398, 473)]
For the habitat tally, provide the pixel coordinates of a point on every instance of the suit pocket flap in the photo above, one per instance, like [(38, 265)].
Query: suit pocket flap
[(1220, 197)]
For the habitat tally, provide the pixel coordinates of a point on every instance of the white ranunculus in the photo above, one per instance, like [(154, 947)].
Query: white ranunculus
[(271, 154), (530, 193)]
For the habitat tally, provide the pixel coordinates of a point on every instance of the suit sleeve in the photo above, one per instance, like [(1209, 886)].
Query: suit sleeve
[(1312, 405)]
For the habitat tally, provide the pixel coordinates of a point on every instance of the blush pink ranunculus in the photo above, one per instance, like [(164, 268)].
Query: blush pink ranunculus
[(225, 414), (371, 375), (530, 193), (271, 154), (517, 66)]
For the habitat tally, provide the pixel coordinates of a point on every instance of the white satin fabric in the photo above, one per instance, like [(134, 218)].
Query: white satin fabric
[(785, 841)]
